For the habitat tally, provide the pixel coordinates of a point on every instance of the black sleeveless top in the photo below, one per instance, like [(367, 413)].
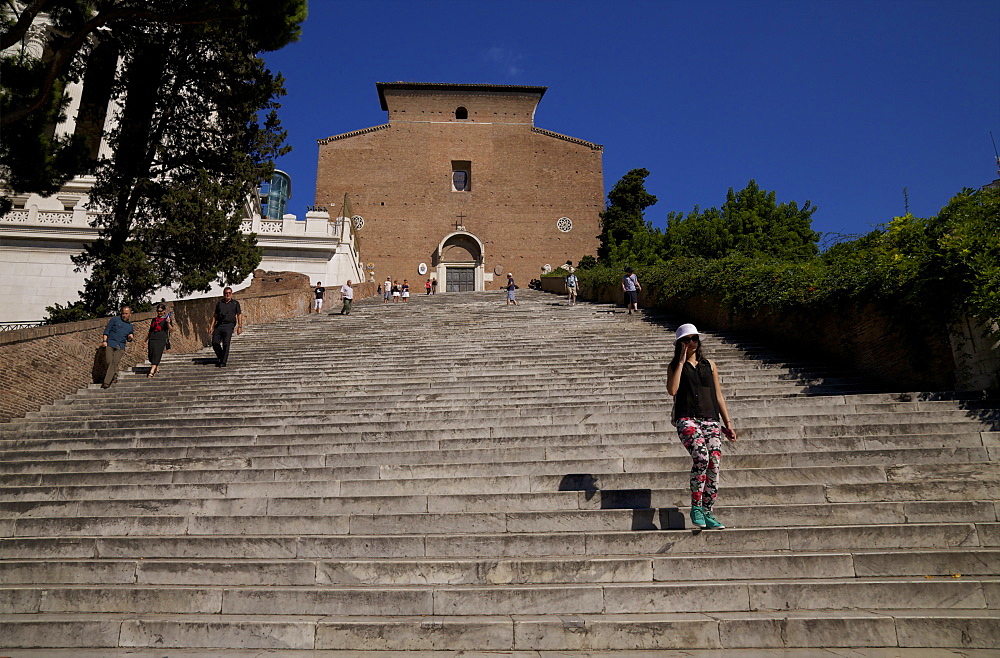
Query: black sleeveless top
[(696, 394)]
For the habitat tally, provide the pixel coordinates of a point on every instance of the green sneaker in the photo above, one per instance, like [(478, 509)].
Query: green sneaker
[(712, 523), (698, 516)]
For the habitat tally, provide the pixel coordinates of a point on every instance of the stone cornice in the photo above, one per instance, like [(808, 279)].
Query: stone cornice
[(363, 131), (567, 138)]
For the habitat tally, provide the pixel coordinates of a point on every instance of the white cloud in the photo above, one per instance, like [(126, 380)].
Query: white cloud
[(505, 59)]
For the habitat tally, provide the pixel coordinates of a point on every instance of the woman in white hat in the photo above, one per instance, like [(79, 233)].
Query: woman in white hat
[(701, 418)]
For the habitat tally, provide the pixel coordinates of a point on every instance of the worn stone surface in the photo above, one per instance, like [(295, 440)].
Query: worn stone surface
[(325, 495)]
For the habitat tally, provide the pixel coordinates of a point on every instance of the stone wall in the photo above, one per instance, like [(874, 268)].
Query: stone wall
[(868, 338), (41, 365), (977, 355)]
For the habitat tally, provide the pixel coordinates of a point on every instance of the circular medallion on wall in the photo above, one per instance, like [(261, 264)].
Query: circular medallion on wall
[(498, 270), (422, 269), (564, 224), (359, 222)]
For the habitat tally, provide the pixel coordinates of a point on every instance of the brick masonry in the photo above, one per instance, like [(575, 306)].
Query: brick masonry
[(41, 365), (398, 178)]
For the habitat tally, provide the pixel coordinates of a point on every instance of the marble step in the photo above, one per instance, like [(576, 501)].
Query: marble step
[(382, 465), (513, 545), (321, 522), (975, 593), (885, 633), (945, 563), (328, 413), (120, 454), (918, 502), (330, 467)]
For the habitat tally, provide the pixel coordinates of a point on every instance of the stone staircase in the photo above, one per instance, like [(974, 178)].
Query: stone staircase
[(453, 475)]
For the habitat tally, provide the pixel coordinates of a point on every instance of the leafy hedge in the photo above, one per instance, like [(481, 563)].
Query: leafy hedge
[(933, 268)]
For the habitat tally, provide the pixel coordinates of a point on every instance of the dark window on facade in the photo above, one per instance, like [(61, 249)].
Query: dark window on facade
[(461, 113), (461, 175)]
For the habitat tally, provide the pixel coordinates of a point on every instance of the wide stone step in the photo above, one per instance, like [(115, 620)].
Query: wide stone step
[(322, 467), (918, 502), (535, 521), (594, 414), (514, 545), (957, 563), (474, 407), (976, 593), (85, 456), (755, 634), (866, 476), (430, 463), (251, 430), (555, 480)]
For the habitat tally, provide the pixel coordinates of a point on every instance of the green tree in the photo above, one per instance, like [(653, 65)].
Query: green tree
[(750, 222), (623, 229), (32, 99), (196, 134), (953, 258)]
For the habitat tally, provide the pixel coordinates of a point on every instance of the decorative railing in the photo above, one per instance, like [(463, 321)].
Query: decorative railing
[(271, 226), (317, 223), (55, 217), (14, 326)]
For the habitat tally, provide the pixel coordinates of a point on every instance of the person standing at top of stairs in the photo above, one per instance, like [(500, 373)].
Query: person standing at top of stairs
[(511, 287), (698, 407), (228, 316)]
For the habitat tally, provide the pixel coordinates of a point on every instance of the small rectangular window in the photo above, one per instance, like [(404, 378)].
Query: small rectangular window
[(461, 175)]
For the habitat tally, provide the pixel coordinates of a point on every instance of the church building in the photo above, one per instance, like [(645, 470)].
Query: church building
[(461, 187)]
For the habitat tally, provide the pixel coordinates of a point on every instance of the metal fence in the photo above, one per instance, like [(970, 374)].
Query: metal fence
[(14, 326)]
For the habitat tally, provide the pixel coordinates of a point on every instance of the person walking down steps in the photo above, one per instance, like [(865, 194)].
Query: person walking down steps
[(227, 319), (320, 292), (701, 418), (347, 296), (631, 288), (117, 334), (158, 338)]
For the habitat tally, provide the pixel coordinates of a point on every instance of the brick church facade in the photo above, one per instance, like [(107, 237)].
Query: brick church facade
[(461, 186)]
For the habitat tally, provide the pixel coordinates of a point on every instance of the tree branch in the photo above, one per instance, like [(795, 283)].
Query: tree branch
[(24, 21), (64, 56)]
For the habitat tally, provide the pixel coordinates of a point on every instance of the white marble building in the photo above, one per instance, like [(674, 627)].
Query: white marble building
[(38, 240), (41, 234)]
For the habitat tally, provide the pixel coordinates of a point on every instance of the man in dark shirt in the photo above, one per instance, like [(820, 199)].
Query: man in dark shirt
[(320, 292), (117, 333), (228, 316)]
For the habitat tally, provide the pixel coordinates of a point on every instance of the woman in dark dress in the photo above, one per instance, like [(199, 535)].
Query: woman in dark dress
[(701, 418), (159, 335)]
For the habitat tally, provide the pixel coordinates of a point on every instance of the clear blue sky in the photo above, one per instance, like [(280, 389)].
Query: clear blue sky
[(843, 103)]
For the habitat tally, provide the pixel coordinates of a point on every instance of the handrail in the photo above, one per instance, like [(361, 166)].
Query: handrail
[(14, 326)]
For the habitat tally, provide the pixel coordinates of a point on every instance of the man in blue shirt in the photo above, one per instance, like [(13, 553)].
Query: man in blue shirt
[(117, 333)]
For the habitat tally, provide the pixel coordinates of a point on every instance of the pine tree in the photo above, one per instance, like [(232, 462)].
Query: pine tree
[(196, 134)]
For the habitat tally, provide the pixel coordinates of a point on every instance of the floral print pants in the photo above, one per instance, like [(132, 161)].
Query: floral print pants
[(703, 440)]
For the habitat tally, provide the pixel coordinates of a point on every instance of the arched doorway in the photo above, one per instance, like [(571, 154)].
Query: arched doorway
[(460, 263)]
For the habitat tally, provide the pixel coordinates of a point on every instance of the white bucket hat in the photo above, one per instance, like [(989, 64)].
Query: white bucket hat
[(685, 330)]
